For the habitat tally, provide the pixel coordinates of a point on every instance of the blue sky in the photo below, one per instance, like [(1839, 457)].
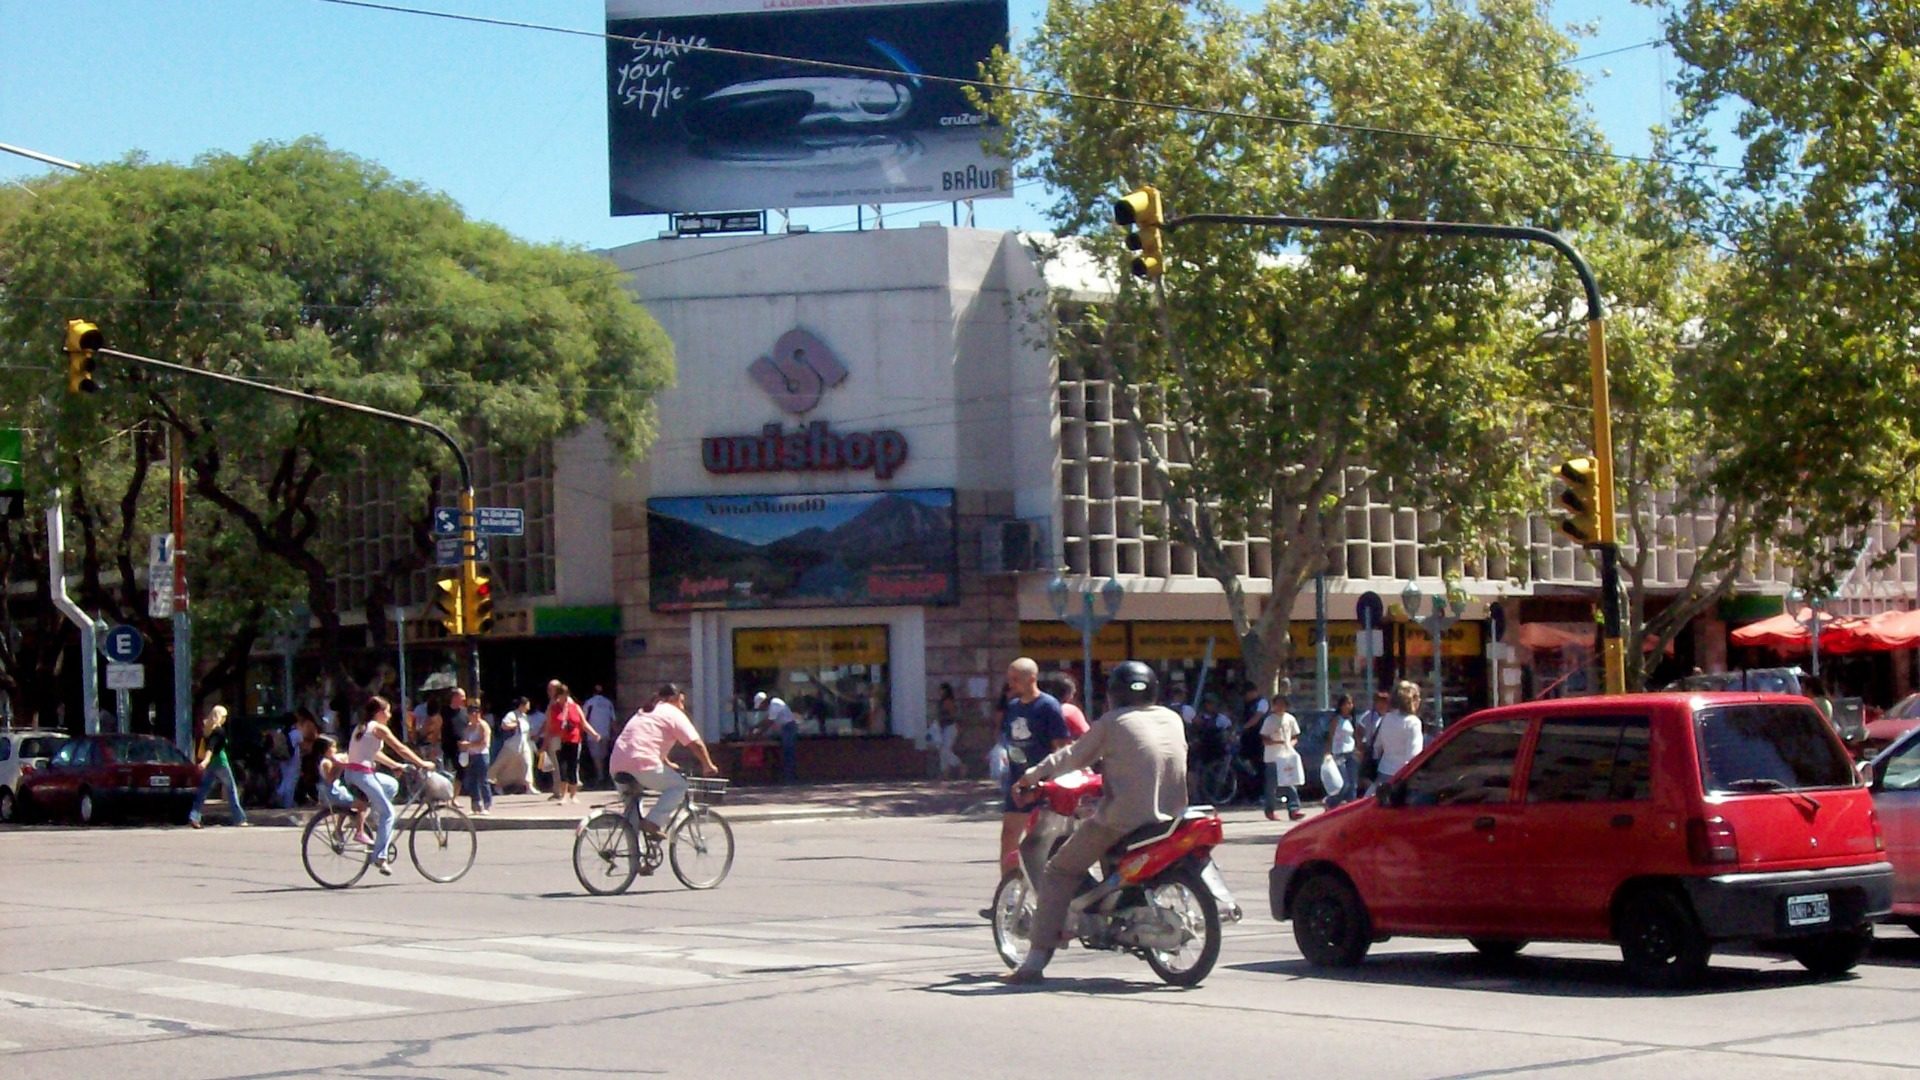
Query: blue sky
[(510, 123)]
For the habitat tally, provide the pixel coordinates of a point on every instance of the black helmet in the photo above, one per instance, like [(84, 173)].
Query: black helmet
[(1132, 683)]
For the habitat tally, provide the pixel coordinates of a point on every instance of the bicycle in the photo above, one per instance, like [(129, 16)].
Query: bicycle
[(607, 853), (440, 837)]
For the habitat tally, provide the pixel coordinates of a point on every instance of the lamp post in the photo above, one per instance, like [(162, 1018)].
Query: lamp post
[(1448, 607), (1806, 609), (1087, 619)]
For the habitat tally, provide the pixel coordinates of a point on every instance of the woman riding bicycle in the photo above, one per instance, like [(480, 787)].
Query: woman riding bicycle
[(365, 750), (639, 757)]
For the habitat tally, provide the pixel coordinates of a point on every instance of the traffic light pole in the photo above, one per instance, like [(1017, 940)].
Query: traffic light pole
[(1613, 650), (469, 549)]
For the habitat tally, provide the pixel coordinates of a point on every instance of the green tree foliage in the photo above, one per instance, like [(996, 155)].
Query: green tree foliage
[(1810, 341), (1298, 370), (304, 266)]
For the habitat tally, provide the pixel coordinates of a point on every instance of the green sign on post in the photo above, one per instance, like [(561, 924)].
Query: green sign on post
[(13, 480)]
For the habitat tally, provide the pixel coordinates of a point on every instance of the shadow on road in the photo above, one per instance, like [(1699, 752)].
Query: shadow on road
[(1534, 976), (976, 984)]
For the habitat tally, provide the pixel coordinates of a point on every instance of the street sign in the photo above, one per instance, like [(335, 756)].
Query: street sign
[(13, 481), (160, 595), (500, 521), (446, 550), (122, 644), (126, 677), (446, 521), (1497, 620), (1369, 610)]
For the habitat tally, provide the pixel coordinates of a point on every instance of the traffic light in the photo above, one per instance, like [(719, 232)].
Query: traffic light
[(445, 608), (82, 338), (1140, 211), (477, 604), (1581, 499)]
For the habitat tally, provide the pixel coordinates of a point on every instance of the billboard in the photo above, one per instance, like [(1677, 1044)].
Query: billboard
[(692, 130), (849, 549)]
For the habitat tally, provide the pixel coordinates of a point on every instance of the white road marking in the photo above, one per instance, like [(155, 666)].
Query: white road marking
[(759, 958), (18, 1009), (460, 956), (299, 967), (584, 945), (258, 998)]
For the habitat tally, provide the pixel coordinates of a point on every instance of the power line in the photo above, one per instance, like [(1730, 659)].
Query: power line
[(1064, 95)]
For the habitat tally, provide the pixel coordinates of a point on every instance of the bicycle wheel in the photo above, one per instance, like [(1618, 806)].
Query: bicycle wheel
[(701, 849), (606, 854), (332, 857), (443, 843)]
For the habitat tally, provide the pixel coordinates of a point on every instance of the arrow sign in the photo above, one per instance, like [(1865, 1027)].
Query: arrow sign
[(446, 550), (122, 644), (446, 521)]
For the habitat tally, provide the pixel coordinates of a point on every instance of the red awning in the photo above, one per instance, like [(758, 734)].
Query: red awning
[(1884, 632)]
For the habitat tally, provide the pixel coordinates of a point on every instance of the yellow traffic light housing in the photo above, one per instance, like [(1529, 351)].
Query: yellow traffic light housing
[(1141, 212), (82, 339), (477, 604), (445, 608), (1581, 499)]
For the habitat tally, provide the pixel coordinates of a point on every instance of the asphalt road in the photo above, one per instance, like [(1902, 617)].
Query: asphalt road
[(837, 948)]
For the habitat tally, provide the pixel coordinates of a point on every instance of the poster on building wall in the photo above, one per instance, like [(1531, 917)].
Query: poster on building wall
[(713, 104), (848, 549)]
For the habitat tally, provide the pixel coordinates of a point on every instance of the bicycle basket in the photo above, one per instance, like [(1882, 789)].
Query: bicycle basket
[(436, 787), (706, 790)]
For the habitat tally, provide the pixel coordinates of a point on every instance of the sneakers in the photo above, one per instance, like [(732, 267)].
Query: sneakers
[(1271, 816), (195, 822), (362, 838), (1296, 815), (243, 824)]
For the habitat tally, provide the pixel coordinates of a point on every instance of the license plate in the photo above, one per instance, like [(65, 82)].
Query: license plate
[(159, 781), (1809, 910)]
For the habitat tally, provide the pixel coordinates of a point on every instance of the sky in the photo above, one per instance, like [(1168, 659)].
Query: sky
[(510, 123)]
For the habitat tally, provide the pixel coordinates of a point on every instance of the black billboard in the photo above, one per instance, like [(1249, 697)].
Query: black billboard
[(691, 130)]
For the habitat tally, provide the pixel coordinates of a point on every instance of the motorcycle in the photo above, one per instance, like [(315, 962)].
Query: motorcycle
[(1160, 897)]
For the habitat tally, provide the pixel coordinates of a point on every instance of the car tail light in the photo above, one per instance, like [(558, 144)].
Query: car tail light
[(1879, 838), (1711, 840)]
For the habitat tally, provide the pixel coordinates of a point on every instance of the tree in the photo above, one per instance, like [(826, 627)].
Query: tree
[(1814, 387), (300, 265), (1299, 372)]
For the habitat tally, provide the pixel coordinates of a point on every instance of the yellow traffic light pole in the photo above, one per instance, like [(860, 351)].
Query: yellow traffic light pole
[(1613, 650)]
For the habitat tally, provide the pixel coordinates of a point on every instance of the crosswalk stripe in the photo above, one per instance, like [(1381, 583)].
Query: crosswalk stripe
[(258, 998), (583, 945), (300, 967), (572, 969), (758, 958), (18, 1009)]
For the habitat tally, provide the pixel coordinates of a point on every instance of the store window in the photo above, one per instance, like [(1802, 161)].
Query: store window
[(834, 678)]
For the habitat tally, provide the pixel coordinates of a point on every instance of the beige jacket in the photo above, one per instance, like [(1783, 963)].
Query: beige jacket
[(1142, 754)]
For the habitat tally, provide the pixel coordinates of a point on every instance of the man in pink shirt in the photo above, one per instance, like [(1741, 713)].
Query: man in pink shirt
[(640, 755)]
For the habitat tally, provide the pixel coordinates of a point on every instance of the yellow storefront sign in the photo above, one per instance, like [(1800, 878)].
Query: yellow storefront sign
[(1462, 639), (1056, 642), (1184, 641), (810, 647)]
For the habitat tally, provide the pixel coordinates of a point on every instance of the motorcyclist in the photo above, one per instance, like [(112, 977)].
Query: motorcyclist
[(1142, 751)]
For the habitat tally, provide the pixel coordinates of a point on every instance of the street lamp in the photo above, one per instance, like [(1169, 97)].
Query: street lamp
[(1805, 608), (1448, 607), (1088, 620)]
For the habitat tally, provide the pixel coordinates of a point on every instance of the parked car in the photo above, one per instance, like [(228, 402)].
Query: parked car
[(1885, 730), (21, 753), (1849, 713), (97, 777), (1668, 823), (1896, 796)]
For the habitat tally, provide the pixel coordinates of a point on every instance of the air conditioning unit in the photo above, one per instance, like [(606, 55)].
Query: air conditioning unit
[(1012, 546)]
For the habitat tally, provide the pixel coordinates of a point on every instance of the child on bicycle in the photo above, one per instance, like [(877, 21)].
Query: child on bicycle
[(332, 766)]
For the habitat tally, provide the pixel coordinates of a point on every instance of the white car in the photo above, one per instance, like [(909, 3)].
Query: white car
[(21, 752)]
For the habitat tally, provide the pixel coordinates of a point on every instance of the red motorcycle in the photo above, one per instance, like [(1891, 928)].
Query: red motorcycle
[(1159, 897)]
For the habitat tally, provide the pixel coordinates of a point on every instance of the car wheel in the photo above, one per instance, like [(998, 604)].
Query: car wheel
[(1832, 955), (1330, 922), (1498, 948), (88, 808), (1660, 942), (6, 805)]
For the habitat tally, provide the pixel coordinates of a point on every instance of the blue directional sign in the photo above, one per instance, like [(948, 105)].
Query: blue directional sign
[(122, 644), (446, 521), (446, 550), (500, 521)]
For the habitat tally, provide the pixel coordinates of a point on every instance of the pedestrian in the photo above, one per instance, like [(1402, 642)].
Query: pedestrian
[(1061, 686), (1280, 762), (367, 750), (567, 727), (286, 758), (946, 712), (1400, 736), (1177, 701), (475, 742), (1340, 748), (783, 721), (600, 713), (1032, 727), (512, 767), (1367, 730), (216, 768), (453, 721)]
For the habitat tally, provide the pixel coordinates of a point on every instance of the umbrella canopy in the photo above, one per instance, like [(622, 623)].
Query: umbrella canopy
[(1786, 634), (1884, 632)]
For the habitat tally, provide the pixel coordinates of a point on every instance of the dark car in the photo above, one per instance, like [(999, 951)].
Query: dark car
[(98, 777)]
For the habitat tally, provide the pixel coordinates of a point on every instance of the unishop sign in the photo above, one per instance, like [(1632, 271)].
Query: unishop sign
[(813, 448)]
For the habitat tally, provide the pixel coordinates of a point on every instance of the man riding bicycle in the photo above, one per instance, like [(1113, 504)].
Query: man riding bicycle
[(639, 757)]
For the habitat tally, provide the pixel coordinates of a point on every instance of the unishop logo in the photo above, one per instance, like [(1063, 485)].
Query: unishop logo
[(799, 371)]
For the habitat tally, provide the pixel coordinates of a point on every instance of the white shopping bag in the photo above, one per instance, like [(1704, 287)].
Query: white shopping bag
[(1288, 770), (1330, 778)]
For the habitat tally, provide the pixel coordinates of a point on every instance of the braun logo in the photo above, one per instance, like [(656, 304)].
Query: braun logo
[(801, 368)]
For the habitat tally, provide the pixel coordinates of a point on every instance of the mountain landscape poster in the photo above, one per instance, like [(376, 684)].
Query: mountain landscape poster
[(848, 549)]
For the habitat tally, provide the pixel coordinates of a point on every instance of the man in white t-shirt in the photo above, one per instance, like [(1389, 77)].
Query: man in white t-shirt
[(781, 720), (600, 716), (639, 756), (1279, 732)]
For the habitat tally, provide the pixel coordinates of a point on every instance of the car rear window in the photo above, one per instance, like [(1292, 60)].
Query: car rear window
[(41, 746), (1758, 748), (147, 752)]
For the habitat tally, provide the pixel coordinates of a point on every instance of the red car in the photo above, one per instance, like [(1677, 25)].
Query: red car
[(98, 777), (1668, 823)]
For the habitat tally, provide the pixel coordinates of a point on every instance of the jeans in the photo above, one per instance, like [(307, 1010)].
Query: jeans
[(221, 774), (1271, 790), (789, 752), (474, 776), (1349, 780), (379, 790)]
